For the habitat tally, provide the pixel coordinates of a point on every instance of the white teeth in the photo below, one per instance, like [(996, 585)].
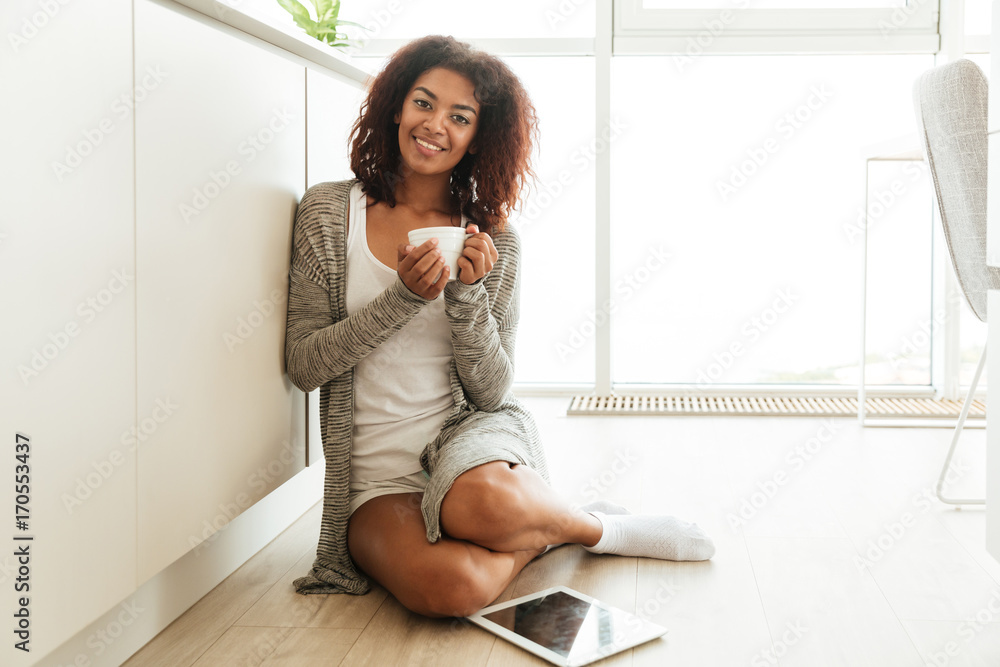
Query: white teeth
[(427, 145)]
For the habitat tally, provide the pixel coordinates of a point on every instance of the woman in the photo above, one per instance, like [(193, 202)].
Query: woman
[(436, 483)]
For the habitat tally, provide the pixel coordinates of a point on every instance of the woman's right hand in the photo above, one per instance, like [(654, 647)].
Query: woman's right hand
[(422, 268)]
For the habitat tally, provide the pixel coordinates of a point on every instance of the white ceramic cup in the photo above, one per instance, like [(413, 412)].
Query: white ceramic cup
[(451, 243)]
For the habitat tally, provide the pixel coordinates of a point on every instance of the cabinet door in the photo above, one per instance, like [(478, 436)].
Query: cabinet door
[(220, 167), (67, 292)]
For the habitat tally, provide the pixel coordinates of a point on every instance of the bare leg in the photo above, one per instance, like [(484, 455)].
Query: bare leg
[(387, 539), (505, 507)]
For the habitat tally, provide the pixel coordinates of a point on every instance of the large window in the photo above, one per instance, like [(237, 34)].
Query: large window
[(748, 172), (737, 184)]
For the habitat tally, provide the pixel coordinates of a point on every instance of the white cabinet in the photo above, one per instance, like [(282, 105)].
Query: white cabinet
[(220, 167), (154, 159), (67, 291)]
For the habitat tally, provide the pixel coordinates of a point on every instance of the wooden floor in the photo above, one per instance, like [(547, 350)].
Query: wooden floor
[(830, 552)]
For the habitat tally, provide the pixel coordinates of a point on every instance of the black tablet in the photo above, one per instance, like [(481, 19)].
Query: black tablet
[(566, 627)]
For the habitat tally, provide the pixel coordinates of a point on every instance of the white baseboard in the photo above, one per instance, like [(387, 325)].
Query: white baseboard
[(118, 634)]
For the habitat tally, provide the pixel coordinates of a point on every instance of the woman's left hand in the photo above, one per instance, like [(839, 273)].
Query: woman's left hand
[(478, 257)]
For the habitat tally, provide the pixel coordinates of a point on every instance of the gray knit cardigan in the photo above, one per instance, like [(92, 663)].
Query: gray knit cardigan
[(323, 344)]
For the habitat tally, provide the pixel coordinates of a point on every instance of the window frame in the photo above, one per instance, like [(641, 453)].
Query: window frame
[(743, 29)]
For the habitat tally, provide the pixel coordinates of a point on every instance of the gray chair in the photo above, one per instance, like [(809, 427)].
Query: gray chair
[(950, 103)]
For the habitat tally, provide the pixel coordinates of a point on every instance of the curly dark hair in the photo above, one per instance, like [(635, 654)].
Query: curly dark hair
[(486, 185)]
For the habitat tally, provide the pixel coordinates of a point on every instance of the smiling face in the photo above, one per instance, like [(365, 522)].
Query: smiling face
[(438, 121)]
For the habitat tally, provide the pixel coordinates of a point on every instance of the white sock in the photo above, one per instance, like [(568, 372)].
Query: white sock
[(603, 506), (652, 536)]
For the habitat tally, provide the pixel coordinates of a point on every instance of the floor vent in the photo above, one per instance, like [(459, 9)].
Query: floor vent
[(804, 406)]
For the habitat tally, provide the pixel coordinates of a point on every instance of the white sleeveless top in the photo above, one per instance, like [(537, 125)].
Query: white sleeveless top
[(402, 390)]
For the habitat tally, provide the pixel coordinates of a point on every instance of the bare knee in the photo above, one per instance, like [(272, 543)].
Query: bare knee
[(485, 481), (483, 498), (458, 591)]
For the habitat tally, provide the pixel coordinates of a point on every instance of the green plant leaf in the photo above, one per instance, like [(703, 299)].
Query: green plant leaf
[(308, 25), (295, 8), (323, 9), (326, 28), (301, 16)]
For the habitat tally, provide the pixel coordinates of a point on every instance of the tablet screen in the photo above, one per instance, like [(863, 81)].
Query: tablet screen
[(563, 624)]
